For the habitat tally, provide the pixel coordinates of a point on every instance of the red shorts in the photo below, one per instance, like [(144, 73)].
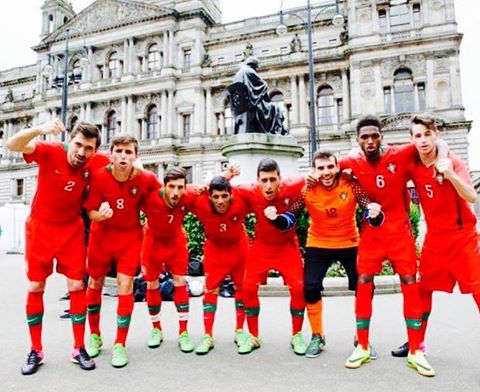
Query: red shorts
[(377, 245), (47, 241), (451, 258), (106, 247), (220, 261), (284, 258), (159, 256)]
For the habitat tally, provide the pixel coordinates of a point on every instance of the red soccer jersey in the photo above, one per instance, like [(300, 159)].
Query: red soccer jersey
[(444, 209), (60, 187), (165, 223), (222, 229), (265, 232), (385, 182), (124, 197)]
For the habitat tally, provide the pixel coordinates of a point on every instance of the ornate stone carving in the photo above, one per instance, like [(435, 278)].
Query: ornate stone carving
[(388, 66), (441, 65), (367, 72), (416, 62), (140, 103)]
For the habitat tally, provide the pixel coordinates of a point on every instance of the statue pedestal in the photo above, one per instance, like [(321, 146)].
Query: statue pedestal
[(247, 149)]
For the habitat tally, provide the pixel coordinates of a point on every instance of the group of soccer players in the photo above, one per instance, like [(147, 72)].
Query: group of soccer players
[(113, 189)]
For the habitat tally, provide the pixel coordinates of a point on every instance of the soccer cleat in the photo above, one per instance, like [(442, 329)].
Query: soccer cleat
[(32, 364), (358, 358), (94, 345), (156, 338), (205, 345), (249, 344), (240, 337), (418, 362), (185, 343), (402, 351), (316, 346), (82, 359), (119, 356), (373, 352), (298, 344)]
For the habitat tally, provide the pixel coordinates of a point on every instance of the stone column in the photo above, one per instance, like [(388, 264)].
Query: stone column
[(378, 88), (163, 110), (170, 113), (430, 87), (131, 57), (346, 96), (199, 113), (5, 138), (209, 129), (88, 111), (82, 112), (294, 94), (171, 48), (123, 127), (455, 83), (126, 57), (165, 49), (130, 111), (302, 99), (223, 131)]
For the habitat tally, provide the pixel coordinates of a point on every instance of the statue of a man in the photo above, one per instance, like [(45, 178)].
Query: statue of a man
[(261, 115), (295, 44)]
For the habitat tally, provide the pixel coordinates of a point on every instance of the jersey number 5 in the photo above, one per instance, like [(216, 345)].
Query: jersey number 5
[(429, 191)]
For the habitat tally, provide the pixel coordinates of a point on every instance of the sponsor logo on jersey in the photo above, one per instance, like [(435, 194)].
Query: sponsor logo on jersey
[(392, 168)]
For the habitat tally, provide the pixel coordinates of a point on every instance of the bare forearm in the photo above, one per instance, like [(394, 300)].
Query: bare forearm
[(464, 190), (95, 216), (23, 141)]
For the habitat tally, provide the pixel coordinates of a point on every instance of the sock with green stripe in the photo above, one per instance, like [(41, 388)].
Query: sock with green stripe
[(412, 311), (124, 314), (181, 298), (34, 310), (252, 306), (94, 304), (154, 303), (297, 307), (78, 315), (363, 312), (239, 310), (209, 309), (426, 297)]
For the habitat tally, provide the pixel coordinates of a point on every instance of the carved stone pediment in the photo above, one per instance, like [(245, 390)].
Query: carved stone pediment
[(397, 121), (108, 14)]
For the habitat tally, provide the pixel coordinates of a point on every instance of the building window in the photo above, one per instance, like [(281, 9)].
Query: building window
[(387, 100), (19, 188), (229, 122), (382, 20), (154, 58), (113, 65), (403, 87), (187, 125), (189, 171), (111, 126), (284, 50), (187, 59), (265, 52), (417, 16), (221, 60), (399, 18), (326, 106), (422, 104), (152, 122)]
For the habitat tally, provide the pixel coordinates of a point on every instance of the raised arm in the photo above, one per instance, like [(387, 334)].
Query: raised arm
[(23, 141), (463, 187)]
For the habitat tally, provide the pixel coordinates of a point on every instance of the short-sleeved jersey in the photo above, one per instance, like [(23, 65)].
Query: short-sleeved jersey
[(222, 229), (385, 182), (332, 216), (124, 197), (444, 209), (165, 223), (265, 232), (60, 187)]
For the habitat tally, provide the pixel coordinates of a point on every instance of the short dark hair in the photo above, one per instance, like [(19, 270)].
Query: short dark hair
[(88, 130), (268, 165), (219, 183), (368, 120), (323, 155), (124, 139), (175, 173), (426, 119)]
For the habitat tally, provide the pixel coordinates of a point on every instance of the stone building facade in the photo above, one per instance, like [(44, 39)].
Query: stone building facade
[(158, 69)]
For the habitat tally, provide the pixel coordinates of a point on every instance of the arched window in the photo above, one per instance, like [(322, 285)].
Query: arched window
[(111, 126), (73, 121), (229, 122), (152, 123), (326, 106), (113, 65), (50, 23), (403, 87), (76, 67), (278, 98), (154, 58)]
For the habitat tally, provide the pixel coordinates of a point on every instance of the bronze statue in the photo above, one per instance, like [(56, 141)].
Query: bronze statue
[(250, 103)]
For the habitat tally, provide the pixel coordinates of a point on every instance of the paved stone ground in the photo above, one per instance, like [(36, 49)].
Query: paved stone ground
[(453, 348)]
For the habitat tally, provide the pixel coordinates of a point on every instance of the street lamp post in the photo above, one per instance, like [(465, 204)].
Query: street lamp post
[(65, 81), (281, 30)]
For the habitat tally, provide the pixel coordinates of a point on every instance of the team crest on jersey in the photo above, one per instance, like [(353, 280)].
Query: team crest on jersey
[(391, 167), (343, 196), (235, 219), (86, 174), (286, 201), (134, 191), (182, 208)]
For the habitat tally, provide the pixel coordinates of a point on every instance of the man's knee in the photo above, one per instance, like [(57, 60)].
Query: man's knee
[(312, 295), (364, 278), (408, 279)]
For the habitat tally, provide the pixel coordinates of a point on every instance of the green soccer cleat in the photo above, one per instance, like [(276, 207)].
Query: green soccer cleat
[(185, 343), (358, 358), (316, 346), (156, 338), (298, 344), (205, 345), (119, 356), (249, 344), (94, 345), (418, 362), (240, 337)]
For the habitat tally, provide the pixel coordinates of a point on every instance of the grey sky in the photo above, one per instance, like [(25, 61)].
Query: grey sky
[(20, 22)]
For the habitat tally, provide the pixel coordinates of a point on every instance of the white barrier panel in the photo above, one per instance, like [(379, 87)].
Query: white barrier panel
[(12, 223)]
